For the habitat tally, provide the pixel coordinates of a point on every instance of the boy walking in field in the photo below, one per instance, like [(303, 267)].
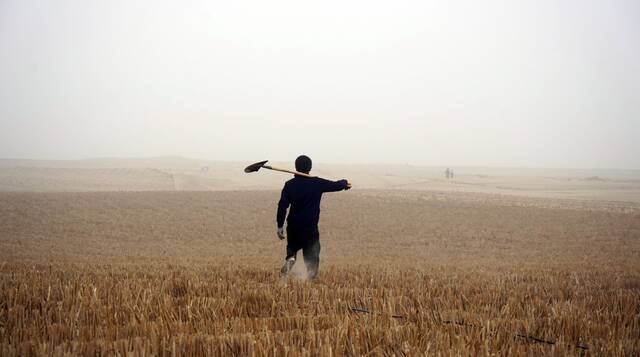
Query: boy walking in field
[(303, 195)]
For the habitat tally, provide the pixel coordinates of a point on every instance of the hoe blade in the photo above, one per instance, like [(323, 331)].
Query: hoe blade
[(255, 167)]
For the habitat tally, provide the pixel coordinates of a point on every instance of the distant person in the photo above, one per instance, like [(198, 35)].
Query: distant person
[(447, 173), (303, 194)]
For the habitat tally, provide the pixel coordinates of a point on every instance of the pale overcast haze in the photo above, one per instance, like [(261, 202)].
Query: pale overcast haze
[(473, 83)]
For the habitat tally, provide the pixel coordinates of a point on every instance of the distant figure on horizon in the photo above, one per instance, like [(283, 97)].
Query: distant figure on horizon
[(303, 194), (447, 173)]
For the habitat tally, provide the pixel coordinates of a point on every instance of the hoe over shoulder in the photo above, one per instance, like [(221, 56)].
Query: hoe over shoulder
[(259, 165)]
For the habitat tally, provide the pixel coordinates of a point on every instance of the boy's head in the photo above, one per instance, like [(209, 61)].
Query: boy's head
[(303, 164)]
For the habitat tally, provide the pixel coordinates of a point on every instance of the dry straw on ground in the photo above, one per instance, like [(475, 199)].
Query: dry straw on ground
[(403, 273)]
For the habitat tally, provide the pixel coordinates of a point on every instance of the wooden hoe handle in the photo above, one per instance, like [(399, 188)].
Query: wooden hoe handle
[(289, 171)]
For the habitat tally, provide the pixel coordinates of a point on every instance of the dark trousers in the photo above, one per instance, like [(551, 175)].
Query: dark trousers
[(307, 239)]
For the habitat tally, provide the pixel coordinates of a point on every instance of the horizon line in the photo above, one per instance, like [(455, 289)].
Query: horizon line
[(185, 158)]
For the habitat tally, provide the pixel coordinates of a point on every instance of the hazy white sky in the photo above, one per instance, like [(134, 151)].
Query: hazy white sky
[(493, 83)]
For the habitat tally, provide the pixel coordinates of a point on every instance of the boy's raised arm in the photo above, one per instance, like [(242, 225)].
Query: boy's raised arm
[(333, 186)]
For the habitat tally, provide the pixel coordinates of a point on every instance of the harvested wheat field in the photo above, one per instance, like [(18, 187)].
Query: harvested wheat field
[(402, 273)]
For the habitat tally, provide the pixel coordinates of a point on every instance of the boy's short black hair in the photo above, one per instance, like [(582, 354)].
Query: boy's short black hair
[(303, 164)]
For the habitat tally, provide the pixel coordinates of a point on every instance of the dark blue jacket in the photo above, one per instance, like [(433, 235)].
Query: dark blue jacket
[(304, 194)]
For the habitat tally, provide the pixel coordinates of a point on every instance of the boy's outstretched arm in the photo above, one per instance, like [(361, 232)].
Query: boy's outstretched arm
[(333, 186)]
